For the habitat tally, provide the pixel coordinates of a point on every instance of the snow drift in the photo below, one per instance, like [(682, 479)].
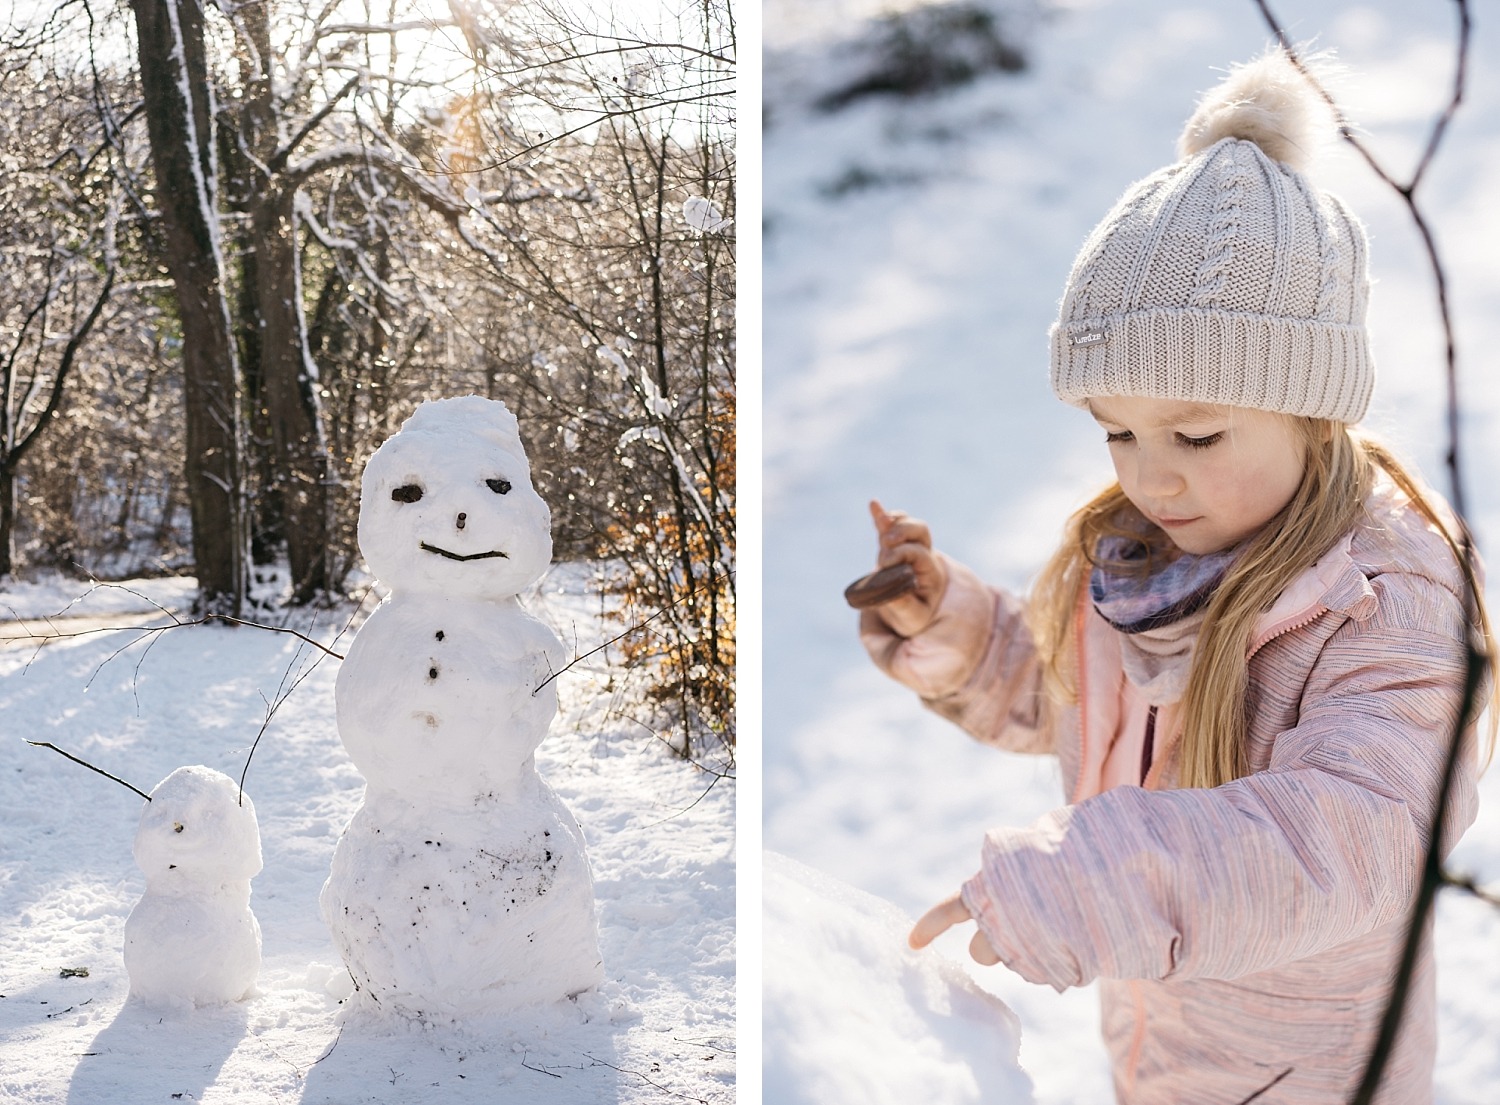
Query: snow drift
[(852, 1014)]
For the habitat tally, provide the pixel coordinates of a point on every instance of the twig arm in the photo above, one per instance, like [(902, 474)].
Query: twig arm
[(91, 767)]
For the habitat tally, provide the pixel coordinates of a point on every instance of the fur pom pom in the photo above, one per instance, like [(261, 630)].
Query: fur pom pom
[(1265, 101)]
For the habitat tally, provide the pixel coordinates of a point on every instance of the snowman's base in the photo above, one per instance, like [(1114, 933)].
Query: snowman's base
[(184, 951), (459, 915)]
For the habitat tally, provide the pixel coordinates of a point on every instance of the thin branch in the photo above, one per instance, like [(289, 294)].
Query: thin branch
[(279, 158), (539, 1070), (621, 636), (1269, 1085), (1469, 884), (643, 1078), (91, 767), (1475, 661), (177, 623)]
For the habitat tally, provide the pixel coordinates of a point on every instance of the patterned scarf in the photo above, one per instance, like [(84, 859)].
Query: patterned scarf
[(1134, 601)]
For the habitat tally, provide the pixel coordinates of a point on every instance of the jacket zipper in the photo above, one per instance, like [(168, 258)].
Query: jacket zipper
[(1313, 615)]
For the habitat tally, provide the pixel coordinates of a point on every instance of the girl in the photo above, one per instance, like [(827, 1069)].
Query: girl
[(1248, 653)]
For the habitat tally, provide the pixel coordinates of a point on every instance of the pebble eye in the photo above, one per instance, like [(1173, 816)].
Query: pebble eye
[(177, 826), (499, 487), (407, 493)]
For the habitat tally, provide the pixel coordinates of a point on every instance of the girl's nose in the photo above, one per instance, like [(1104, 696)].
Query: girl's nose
[(1156, 477), (462, 518)]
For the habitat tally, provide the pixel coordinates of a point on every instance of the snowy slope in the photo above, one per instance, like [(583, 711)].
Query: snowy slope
[(853, 1015), (662, 853), (914, 254)]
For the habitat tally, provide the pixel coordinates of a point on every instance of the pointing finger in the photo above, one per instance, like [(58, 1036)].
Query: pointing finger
[(938, 920)]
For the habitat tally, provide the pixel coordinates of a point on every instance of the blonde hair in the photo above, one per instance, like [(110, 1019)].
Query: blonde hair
[(1341, 468)]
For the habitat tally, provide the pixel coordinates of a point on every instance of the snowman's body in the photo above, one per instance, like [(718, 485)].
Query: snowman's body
[(192, 937), (461, 887)]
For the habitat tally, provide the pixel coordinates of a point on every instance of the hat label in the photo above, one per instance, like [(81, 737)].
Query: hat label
[(1090, 337)]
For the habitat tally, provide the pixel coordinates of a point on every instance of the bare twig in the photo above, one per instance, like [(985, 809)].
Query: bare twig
[(643, 1078), (707, 1042), (284, 692), (69, 1009), (329, 1049), (147, 630), (712, 568), (689, 806), (91, 767), (1269, 1085), (1432, 875), (1468, 884), (539, 1070)]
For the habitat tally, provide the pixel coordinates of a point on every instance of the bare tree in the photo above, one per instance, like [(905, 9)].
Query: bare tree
[(617, 276), (178, 104), (59, 213)]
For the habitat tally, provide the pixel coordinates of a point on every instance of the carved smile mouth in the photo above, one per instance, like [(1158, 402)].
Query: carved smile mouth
[(460, 556)]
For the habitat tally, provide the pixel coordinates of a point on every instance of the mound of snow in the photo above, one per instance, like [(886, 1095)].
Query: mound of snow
[(852, 1014)]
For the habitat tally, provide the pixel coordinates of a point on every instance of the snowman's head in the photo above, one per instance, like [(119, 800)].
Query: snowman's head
[(446, 504), (194, 829)]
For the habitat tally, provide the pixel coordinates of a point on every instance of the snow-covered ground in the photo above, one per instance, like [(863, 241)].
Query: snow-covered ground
[(914, 253), (841, 986), (660, 839)]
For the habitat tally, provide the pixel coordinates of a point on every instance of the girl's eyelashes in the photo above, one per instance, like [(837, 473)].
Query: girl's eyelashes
[(1200, 442), (1116, 437)]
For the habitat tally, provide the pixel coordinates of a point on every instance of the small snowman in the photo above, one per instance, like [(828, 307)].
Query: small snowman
[(192, 937), (460, 887)]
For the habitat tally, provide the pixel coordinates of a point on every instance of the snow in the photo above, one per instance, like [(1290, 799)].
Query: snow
[(56, 595), (192, 939), (703, 215), (883, 1024), (914, 253), (460, 889), (660, 840)]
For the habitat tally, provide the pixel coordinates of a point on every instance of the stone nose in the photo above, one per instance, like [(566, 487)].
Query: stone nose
[(462, 518)]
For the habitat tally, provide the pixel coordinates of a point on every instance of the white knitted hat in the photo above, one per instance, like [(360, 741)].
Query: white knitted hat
[(1226, 277)]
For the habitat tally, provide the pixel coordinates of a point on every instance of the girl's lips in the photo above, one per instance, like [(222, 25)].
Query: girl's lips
[(1169, 523)]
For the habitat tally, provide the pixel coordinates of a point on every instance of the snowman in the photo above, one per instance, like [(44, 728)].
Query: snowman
[(192, 937), (460, 887)]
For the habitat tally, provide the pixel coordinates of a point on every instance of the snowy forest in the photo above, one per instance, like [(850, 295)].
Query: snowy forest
[(453, 823), (243, 241)]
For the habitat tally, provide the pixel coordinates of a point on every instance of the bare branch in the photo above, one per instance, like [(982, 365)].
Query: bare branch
[(632, 629), (1476, 662), (91, 767), (1269, 1085), (1470, 885)]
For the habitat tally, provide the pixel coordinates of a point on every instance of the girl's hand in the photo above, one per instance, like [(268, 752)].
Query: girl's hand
[(942, 917), (906, 540)]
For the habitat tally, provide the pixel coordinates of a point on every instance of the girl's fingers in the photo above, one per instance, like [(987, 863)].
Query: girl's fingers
[(937, 920), (896, 527), (980, 950), (919, 556), (905, 531)]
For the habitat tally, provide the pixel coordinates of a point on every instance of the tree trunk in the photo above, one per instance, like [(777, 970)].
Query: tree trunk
[(174, 87), (247, 143), (7, 519), (289, 379)]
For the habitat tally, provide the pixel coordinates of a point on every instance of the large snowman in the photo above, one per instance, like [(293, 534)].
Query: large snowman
[(460, 888)]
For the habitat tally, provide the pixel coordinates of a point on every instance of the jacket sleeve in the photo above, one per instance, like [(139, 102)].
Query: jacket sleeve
[(974, 663), (1322, 847)]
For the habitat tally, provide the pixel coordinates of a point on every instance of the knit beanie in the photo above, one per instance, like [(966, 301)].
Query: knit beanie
[(1226, 277)]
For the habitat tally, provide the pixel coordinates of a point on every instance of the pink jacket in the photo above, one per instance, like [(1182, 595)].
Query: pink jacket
[(1249, 929)]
